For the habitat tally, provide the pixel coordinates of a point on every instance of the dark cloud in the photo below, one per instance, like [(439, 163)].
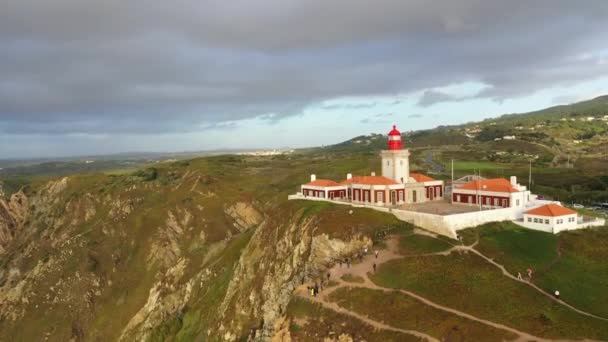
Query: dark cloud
[(72, 66), (350, 106), (430, 97), (565, 99), (378, 118)]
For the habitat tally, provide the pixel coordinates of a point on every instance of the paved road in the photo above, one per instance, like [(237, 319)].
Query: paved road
[(435, 166)]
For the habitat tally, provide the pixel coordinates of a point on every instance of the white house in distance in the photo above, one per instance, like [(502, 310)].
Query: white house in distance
[(551, 218), (396, 185), (493, 193)]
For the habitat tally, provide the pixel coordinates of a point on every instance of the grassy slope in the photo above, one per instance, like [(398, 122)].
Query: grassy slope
[(311, 322), (421, 244), (572, 262), (400, 310), (470, 284)]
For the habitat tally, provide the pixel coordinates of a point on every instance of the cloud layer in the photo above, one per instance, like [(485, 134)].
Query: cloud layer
[(114, 67)]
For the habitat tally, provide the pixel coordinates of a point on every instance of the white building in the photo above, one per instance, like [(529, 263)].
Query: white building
[(493, 193), (551, 218)]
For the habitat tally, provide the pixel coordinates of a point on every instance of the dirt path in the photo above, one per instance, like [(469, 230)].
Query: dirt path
[(378, 325), (362, 269), (359, 269)]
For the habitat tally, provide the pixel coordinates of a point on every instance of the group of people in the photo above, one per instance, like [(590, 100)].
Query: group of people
[(529, 271), (315, 289), (318, 286), (359, 256)]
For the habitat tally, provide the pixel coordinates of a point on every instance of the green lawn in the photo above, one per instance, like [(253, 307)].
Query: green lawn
[(469, 283), (572, 262), (401, 311), (421, 244), (517, 248), (473, 165)]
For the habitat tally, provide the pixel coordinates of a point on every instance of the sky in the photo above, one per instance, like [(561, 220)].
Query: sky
[(98, 77)]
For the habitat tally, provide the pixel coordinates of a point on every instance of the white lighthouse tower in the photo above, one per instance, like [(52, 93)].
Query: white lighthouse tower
[(396, 160)]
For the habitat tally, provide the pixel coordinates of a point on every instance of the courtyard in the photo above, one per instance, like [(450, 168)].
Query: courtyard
[(439, 208)]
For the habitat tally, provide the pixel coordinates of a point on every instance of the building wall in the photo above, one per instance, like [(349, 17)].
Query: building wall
[(430, 222), (516, 199), (494, 201), (434, 192), (313, 192), (324, 192), (336, 194), (449, 225)]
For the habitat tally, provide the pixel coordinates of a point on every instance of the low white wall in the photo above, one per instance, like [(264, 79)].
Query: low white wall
[(446, 225), (430, 222), (597, 223), (476, 218)]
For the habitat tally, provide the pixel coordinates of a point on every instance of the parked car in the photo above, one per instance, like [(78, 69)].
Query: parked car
[(578, 206)]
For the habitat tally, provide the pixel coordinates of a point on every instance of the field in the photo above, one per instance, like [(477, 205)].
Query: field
[(469, 166)]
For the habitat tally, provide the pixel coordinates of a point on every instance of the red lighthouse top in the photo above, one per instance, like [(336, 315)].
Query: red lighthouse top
[(394, 139)]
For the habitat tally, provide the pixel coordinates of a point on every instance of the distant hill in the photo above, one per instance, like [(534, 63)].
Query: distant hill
[(554, 134)]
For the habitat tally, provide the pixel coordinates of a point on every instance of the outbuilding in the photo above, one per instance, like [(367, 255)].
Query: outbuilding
[(551, 218)]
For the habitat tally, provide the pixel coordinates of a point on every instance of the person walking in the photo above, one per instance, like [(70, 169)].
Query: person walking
[(340, 262), (374, 267), (328, 275), (519, 276), (376, 253), (556, 294), (347, 262)]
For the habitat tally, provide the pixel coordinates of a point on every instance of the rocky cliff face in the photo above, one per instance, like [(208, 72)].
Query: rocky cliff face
[(174, 254), (13, 213), (281, 254)]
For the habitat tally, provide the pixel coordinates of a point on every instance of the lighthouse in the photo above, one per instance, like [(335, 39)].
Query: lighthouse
[(396, 160)]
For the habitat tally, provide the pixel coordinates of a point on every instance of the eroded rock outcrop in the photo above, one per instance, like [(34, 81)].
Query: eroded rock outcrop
[(244, 215), (166, 298), (13, 213), (274, 262)]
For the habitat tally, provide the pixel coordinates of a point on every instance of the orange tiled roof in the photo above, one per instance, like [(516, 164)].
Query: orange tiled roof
[(550, 210), (370, 180), (420, 178), (495, 185), (323, 182)]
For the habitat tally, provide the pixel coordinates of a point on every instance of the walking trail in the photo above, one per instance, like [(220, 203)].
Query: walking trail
[(363, 268)]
